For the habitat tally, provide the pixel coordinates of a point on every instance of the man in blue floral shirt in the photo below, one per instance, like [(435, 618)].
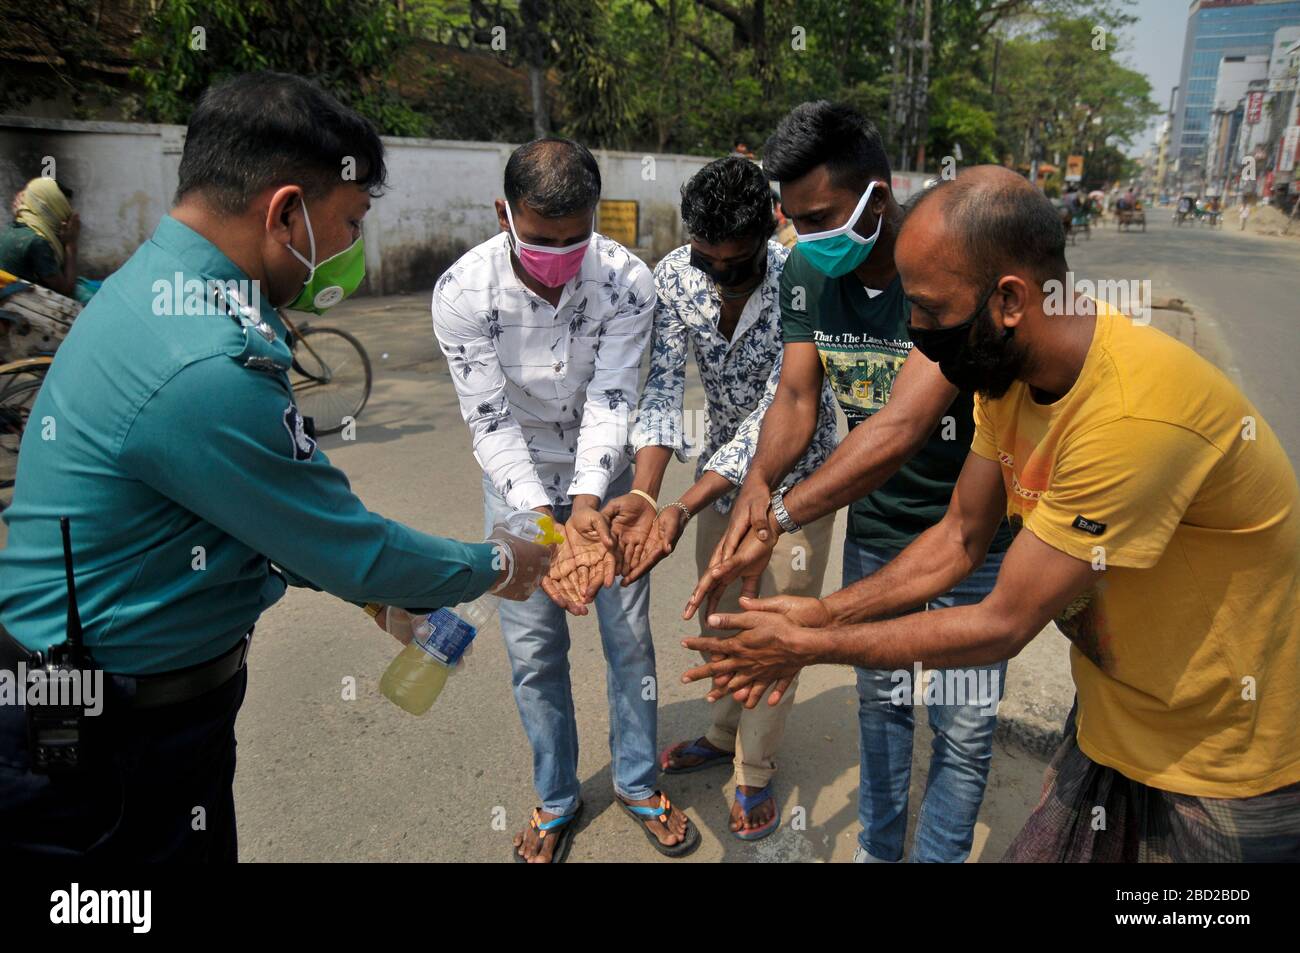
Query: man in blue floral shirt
[(719, 296)]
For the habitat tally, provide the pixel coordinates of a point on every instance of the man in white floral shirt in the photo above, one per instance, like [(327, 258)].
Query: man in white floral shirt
[(719, 296), (544, 326)]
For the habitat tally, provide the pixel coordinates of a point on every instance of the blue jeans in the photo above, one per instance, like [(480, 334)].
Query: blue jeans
[(536, 635), (963, 737)]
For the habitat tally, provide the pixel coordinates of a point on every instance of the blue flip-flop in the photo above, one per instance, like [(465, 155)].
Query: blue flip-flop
[(566, 824), (660, 812), (750, 801), (708, 755)]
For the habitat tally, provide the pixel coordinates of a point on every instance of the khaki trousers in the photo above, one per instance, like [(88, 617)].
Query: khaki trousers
[(797, 568)]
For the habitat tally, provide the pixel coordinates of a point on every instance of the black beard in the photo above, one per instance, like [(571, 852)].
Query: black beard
[(991, 362)]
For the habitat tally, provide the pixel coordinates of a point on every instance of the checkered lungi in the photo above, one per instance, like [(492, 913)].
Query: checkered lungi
[(1092, 813)]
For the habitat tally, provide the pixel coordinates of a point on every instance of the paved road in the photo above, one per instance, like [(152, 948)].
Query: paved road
[(323, 778), (1243, 288)]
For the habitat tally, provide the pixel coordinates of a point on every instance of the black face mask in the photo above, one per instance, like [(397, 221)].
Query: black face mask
[(738, 275), (972, 355)]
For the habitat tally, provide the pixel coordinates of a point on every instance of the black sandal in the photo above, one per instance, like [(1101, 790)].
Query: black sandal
[(639, 813)]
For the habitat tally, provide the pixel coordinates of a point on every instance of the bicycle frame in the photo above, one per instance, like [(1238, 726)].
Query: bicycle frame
[(297, 338)]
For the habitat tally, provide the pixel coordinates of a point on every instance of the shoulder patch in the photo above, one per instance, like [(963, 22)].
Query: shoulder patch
[(304, 447)]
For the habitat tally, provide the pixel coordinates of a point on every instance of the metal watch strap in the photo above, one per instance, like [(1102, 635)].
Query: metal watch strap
[(779, 511)]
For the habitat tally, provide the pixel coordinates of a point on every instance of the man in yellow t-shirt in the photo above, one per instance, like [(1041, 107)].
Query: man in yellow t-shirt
[(1161, 530), (1155, 468)]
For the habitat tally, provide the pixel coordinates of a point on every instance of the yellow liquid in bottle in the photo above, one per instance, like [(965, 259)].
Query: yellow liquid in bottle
[(414, 680)]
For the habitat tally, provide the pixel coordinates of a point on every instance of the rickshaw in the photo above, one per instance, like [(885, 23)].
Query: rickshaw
[(1081, 219), (1212, 214), (33, 323), (1132, 217)]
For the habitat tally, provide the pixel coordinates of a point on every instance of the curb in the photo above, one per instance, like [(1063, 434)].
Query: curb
[(1037, 731), (1038, 695)]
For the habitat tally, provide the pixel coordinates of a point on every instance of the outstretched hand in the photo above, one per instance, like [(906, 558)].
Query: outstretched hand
[(664, 535), (746, 563), (748, 514), (775, 639), (584, 562), (631, 523)]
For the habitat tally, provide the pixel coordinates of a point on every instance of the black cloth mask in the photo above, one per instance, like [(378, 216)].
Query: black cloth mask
[(973, 355), (738, 275)]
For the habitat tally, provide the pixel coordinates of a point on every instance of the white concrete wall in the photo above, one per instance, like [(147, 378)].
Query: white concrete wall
[(907, 184), (123, 176), (439, 203)]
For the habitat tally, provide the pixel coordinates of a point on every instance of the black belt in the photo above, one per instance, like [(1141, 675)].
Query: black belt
[(149, 691)]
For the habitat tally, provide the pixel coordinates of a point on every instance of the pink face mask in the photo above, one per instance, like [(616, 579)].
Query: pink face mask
[(551, 266)]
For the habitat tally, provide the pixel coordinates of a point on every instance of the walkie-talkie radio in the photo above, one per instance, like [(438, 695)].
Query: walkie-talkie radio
[(56, 732)]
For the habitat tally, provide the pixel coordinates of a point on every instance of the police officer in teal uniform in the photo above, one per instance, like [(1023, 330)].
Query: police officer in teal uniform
[(167, 433)]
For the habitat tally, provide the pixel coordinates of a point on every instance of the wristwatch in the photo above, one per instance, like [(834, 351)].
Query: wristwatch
[(778, 510)]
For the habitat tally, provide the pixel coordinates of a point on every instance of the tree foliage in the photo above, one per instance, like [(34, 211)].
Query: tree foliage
[(999, 80), (348, 46), (66, 51)]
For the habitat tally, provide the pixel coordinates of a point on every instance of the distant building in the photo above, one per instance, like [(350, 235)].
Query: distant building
[(1283, 145), (1234, 117), (1253, 125), (1162, 155), (1217, 29)]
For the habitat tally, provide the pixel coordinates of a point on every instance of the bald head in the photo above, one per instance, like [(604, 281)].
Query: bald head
[(996, 221)]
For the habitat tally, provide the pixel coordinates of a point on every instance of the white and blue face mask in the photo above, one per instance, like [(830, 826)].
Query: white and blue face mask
[(837, 251)]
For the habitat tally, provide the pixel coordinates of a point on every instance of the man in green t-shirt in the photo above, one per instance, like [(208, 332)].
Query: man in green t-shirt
[(844, 318)]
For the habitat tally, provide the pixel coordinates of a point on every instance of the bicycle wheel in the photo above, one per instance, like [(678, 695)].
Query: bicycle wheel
[(18, 389), (331, 377)]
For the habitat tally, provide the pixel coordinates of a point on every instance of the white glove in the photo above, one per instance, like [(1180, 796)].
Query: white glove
[(526, 561)]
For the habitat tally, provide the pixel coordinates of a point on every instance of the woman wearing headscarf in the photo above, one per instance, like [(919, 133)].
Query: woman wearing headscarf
[(41, 245)]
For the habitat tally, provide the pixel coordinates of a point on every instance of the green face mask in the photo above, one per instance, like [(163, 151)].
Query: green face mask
[(333, 279)]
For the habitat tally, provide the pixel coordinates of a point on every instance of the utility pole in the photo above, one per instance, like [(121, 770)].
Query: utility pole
[(993, 81), (1169, 165), (1033, 154), (908, 97), (923, 110), (531, 14), (895, 87)]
